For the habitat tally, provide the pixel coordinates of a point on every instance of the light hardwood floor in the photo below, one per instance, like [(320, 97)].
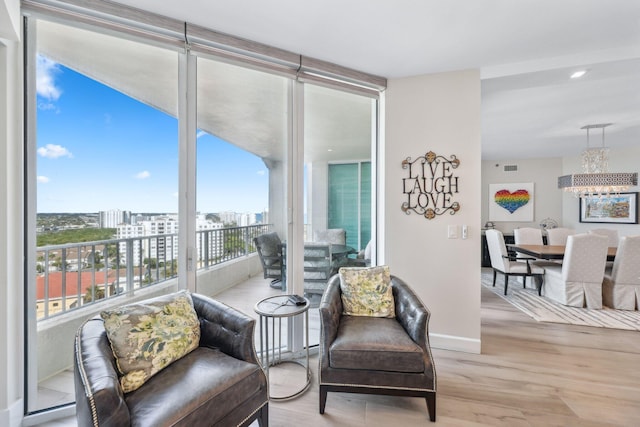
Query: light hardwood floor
[(529, 374)]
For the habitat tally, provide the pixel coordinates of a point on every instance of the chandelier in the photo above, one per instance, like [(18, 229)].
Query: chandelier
[(595, 179)]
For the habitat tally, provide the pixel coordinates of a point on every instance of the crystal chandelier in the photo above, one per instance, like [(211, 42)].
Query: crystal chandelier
[(595, 179)]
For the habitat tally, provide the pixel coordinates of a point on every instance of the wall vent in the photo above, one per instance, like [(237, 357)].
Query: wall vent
[(510, 168)]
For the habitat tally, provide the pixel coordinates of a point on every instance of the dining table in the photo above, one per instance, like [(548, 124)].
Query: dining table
[(551, 252)]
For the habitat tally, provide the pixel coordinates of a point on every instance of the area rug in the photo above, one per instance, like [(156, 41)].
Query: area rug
[(546, 310)]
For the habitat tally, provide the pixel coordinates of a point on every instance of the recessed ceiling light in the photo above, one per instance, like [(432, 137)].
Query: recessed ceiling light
[(578, 74), (330, 149)]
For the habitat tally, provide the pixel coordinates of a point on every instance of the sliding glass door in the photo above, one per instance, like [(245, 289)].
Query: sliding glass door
[(339, 145), (242, 178)]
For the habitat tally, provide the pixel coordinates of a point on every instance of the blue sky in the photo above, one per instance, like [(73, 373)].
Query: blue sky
[(98, 149)]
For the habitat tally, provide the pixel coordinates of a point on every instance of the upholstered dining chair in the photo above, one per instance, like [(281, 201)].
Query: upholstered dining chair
[(508, 265), (531, 236), (558, 236), (613, 237), (611, 234), (578, 281), (621, 288), (528, 236)]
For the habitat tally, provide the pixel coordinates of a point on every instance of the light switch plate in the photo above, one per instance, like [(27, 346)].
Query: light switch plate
[(452, 232)]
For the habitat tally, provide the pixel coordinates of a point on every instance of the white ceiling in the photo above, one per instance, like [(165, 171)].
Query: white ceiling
[(525, 50)]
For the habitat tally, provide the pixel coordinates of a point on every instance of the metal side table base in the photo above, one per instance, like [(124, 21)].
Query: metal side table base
[(279, 307)]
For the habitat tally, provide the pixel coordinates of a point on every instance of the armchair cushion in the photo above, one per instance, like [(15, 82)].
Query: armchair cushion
[(148, 336), (366, 291), (374, 344)]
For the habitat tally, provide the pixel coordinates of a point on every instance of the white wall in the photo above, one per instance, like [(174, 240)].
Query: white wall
[(543, 173), (620, 160), (11, 220), (9, 19), (440, 113)]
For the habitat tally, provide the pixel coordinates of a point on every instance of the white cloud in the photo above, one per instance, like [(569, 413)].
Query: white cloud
[(43, 179), (142, 175), (261, 172), (53, 151), (201, 133), (46, 70), (175, 194)]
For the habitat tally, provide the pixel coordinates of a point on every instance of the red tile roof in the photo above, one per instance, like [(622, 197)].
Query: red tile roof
[(71, 283)]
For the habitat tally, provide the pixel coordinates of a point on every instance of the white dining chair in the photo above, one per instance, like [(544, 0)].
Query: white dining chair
[(531, 236), (621, 288), (558, 236), (611, 234), (507, 264), (578, 281), (528, 236)]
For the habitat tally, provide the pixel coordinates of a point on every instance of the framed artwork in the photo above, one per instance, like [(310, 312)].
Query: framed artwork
[(614, 209), (511, 202)]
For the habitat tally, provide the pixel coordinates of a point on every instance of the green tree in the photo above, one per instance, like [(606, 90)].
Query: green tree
[(93, 293), (75, 236)]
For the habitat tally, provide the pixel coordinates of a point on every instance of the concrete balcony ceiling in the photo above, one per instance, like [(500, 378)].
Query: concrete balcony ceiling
[(241, 106)]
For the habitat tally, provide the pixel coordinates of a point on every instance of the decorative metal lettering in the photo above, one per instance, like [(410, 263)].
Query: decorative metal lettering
[(430, 185)]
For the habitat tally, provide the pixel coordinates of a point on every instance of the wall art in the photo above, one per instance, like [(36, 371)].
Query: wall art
[(431, 185), (616, 208), (511, 202)]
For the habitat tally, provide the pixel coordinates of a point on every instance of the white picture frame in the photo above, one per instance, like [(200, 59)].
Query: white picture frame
[(511, 202)]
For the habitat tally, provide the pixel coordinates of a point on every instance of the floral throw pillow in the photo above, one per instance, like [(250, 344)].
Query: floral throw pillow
[(366, 291), (147, 336)]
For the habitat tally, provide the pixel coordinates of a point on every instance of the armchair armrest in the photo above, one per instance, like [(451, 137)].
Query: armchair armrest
[(225, 328), (99, 396), (520, 258), (330, 311), (411, 312)]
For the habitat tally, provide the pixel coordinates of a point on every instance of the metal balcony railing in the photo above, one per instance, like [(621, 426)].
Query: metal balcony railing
[(74, 275)]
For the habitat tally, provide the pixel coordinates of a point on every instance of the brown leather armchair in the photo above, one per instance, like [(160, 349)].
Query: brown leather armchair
[(219, 383), (375, 355)]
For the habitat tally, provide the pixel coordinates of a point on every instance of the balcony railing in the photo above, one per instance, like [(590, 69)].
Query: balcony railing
[(74, 275)]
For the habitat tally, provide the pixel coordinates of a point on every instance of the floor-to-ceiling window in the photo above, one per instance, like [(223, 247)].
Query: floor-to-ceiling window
[(106, 176), (147, 162)]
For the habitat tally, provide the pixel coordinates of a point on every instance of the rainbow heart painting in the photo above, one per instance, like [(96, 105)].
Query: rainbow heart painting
[(512, 201)]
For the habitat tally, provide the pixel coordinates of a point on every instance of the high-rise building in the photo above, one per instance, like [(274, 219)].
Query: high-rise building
[(113, 218)]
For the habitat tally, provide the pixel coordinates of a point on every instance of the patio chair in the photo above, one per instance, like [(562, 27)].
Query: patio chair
[(621, 288), (578, 281), (337, 236), (269, 247), (318, 267), (508, 265)]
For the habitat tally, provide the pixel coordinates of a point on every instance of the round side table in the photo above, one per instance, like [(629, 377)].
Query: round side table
[(279, 307)]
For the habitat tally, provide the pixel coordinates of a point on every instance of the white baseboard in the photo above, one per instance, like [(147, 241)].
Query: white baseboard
[(450, 342), (12, 416)]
